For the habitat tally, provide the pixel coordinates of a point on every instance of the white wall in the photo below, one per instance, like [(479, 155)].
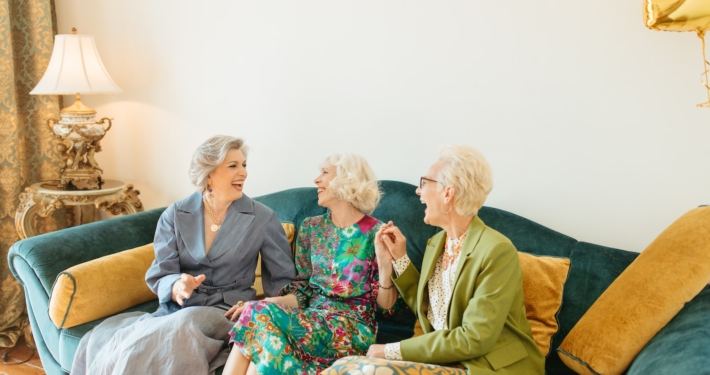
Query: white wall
[(587, 118)]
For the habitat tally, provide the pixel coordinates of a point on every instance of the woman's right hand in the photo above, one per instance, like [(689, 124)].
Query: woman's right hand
[(382, 252), (235, 311), (184, 286)]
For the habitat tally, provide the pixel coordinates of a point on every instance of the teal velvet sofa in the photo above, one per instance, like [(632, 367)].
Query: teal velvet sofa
[(680, 348)]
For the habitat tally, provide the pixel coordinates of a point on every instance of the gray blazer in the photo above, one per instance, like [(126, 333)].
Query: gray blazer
[(249, 228)]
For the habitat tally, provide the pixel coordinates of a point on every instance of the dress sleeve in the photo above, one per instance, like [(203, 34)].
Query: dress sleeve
[(165, 269), (301, 285), (276, 265)]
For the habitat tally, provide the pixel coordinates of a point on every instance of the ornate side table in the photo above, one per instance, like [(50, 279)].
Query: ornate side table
[(42, 198)]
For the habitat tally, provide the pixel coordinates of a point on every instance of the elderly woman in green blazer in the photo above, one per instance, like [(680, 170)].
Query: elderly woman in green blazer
[(469, 295)]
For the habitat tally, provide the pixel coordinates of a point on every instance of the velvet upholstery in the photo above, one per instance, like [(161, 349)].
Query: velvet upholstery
[(37, 261), (519, 230), (674, 349)]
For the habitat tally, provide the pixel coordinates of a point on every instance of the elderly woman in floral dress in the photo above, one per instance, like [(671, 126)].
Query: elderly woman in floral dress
[(328, 311)]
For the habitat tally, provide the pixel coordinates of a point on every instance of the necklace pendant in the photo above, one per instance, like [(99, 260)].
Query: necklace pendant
[(214, 227)]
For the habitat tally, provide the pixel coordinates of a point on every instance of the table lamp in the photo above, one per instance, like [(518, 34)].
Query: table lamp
[(76, 68)]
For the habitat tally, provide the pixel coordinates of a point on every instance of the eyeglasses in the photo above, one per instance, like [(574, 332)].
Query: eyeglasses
[(422, 179)]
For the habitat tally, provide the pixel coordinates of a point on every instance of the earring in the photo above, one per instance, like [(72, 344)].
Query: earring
[(209, 192), (446, 212)]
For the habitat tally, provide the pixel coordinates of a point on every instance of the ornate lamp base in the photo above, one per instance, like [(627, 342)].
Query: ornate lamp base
[(80, 136)]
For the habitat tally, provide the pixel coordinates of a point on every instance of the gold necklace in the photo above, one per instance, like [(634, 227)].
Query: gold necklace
[(218, 222)]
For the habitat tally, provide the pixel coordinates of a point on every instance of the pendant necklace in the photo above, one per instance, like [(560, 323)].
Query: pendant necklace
[(218, 222)]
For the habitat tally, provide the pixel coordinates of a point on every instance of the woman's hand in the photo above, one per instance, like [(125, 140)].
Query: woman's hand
[(235, 311), (395, 241), (183, 288), (376, 351), (382, 252)]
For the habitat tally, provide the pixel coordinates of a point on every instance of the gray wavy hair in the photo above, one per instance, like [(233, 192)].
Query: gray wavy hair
[(209, 155)]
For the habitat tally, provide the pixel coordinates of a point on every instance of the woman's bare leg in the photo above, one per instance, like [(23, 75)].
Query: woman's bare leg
[(237, 363), (252, 369)]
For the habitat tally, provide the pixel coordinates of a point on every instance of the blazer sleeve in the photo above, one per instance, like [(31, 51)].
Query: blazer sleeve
[(165, 269), (277, 268), (407, 286), (496, 286), (301, 285)]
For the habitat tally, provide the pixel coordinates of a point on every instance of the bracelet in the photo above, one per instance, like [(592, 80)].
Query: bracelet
[(385, 288)]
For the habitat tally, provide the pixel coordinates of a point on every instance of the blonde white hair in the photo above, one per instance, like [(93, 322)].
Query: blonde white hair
[(209, 155), (354, 181), (467, 171)]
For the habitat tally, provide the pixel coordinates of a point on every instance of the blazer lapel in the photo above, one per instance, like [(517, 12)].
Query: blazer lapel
[(239, 216), (190, 224), (475, 230)]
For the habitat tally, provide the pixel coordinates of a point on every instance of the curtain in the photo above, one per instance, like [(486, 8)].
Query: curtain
[(28, 149)]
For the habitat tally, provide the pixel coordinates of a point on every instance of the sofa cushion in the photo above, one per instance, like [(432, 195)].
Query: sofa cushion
[(89, 291), (543, 284), (672, 270), (681, 347)]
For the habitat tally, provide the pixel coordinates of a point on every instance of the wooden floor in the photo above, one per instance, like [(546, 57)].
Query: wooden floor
[(18, 354)]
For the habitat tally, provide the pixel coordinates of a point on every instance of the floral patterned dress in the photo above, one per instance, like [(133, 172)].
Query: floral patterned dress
[(336, 289)]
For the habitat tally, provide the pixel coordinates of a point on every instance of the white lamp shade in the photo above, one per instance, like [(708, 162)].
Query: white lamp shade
[(75, 68)]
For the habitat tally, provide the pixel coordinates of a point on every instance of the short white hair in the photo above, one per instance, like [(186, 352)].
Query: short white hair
[(209, 155), (354, 181), (465, 168)]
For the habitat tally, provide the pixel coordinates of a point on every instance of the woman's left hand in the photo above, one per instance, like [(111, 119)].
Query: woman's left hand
[(235, 311), (376, 351)]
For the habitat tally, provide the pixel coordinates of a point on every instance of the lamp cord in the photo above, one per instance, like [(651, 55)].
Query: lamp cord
[(5, 356), (701, 35)]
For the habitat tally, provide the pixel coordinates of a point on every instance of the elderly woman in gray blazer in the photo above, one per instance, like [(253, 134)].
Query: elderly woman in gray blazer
[(206, 250), (206, 245)]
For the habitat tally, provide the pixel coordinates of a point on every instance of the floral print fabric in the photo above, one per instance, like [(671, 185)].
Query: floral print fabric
[(336, 289)]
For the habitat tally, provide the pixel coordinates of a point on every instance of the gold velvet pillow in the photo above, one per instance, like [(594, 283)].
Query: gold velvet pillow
[(672, 270), (543, 283), (101, 287)]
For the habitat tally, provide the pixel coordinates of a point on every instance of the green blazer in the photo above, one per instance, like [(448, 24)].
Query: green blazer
[(488, 331)]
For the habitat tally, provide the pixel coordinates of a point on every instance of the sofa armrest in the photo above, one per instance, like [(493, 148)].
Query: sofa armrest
[(681, 347), (49, 254)]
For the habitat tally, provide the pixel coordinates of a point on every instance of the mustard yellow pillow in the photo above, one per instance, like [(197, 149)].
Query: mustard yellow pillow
[(101, 287), (672, 270), (543, 283)]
